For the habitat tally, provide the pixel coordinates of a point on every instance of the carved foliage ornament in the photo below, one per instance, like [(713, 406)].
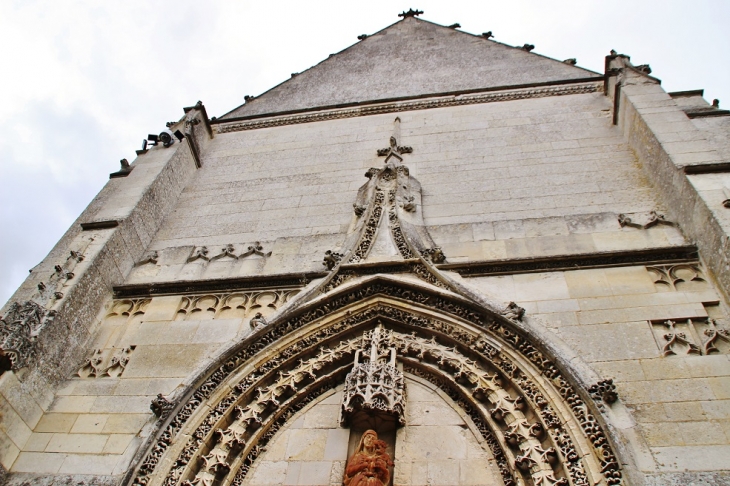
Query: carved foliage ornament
[(20, 328)]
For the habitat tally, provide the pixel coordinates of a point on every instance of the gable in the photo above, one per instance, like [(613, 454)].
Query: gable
[(410, 58)]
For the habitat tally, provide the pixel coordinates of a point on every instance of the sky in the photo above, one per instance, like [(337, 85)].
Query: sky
[(83, 82)]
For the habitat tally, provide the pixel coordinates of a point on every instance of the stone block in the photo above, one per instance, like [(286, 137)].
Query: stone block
[(336, 446), (125, 423), (122, 404), (270, 472), (322, 416), (77, 443), (662, 434), (314, 473), (628, 370), (89, 424), (705, 366), (37, 442), (629, 280), (117, 443), (162, 308), (72, 404), (81, 464), (432, 413), (540, 286), (166, 361), (13, 425), (716, 409), (564, 305), (419, 393), (720, 387), (693, 458), (587, 283), (665, 368), (442, 472), (431, 442), (306, 444), (678, 390), (56, 422), (611, 342), (23, 403), (38, 462), (218, 331), (477, 471)]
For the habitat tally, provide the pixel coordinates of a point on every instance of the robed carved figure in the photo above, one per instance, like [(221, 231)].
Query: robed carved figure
[(370, 464)]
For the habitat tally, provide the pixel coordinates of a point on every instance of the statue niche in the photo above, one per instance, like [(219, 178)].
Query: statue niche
[(370, 465), (373, 404)]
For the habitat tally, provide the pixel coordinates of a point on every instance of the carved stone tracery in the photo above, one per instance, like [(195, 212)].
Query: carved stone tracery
[(501, 406)]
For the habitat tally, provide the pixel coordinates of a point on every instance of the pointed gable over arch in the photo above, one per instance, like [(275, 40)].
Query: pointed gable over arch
[(410, 58)]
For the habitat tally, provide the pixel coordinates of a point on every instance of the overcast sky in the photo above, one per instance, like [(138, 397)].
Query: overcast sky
[(83, 82)]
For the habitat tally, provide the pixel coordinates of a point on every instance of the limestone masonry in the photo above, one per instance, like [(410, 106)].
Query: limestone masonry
[(431, 259)]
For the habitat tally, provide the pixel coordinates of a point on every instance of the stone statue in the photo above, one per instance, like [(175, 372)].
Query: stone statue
[(369, 465)]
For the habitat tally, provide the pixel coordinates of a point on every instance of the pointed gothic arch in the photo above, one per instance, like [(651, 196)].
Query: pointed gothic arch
[(541, 427)]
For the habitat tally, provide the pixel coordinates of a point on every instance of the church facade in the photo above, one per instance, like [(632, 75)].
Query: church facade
[(431, 259)]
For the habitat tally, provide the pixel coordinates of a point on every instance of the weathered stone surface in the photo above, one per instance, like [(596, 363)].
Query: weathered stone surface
[(540, 199)]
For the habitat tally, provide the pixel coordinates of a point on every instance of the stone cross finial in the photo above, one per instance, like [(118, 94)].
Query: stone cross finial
[(410, 13)]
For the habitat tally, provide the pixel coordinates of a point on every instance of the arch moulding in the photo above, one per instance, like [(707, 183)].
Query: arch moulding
[(529, 408)]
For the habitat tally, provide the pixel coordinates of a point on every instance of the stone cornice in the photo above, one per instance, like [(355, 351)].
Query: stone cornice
[(581, 86), (662, 255), (259, 282)]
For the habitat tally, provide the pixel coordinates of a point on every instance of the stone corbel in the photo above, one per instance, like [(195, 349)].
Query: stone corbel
[(604, 391), (161, 406), (618, 72), (195, 115)]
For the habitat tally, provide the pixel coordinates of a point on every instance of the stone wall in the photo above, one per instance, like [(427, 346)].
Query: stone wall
[(437, 446)]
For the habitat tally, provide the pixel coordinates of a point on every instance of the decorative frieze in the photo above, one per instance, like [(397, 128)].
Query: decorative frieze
[(109, 362), (677, 277), (454, 99), (231, 305), (694, 336)]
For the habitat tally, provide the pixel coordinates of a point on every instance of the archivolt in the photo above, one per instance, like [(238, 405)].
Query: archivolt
[(539, 429)]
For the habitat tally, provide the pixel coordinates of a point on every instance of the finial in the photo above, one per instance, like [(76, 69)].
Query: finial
[(124, 163), (716, 103), (487, 35), (410, 13)]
